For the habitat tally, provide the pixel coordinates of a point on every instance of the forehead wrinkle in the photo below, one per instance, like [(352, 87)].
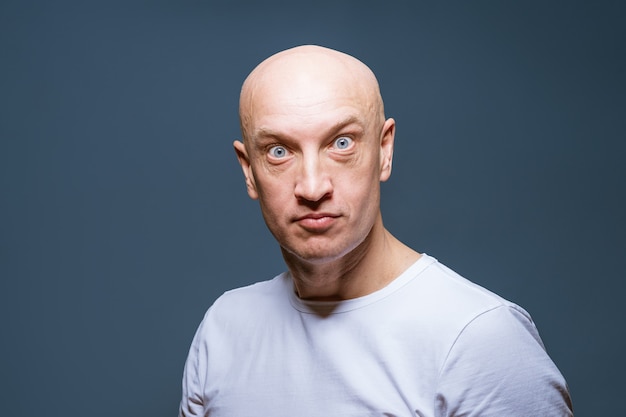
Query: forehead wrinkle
[(325, 110)]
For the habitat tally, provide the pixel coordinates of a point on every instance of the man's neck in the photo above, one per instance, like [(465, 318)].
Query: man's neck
[(369, 267)]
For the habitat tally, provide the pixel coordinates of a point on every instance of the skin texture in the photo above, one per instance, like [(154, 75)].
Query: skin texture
[(315, 148)]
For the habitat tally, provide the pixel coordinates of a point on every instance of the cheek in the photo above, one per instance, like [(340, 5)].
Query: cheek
[(361, 190), (273, 198)]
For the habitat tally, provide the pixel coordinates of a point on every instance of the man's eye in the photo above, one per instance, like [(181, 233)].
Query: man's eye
[(278, 151), (343, 142)]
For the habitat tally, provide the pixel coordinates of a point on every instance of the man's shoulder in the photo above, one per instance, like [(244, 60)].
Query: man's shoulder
[(452, 297), (438, 278), (254, 298), (259, 288)]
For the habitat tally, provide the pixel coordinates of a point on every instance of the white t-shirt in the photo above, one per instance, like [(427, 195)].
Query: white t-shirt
[(429, 344)]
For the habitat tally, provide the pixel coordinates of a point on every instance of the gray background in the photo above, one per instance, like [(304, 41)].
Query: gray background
[(124, 213)]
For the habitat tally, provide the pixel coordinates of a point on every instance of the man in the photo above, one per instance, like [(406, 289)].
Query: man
[(360, 324)]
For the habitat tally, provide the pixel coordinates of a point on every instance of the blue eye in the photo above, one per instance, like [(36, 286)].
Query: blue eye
[(278, 151), (343, 142)]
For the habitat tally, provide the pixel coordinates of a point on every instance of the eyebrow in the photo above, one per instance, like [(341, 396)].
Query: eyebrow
[(348, 120)]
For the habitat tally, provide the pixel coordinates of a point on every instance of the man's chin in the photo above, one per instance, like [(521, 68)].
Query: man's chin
[(314, 255)]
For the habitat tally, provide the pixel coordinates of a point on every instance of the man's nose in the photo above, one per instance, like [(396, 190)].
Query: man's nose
[(313, 182)]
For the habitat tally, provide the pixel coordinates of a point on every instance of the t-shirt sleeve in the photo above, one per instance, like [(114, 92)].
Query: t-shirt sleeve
[(498, 367), (194, 376)]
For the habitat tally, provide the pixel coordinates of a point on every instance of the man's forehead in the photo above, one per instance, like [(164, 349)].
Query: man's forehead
[(307, 82), (309, 96)]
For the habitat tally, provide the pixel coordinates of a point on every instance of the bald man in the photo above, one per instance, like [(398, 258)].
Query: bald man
[(359, 324)]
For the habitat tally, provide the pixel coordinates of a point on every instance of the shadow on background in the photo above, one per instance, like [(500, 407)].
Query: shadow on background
[(124, 213)]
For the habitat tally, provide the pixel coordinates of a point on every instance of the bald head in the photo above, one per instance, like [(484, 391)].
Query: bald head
[(307, 76)]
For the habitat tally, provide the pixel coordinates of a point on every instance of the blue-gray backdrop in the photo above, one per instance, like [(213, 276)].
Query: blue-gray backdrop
[(124, 214)]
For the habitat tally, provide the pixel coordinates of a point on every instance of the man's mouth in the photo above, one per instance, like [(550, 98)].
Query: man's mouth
[(317, 222)]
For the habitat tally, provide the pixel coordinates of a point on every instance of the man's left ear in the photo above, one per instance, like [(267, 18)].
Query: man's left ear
[(386, 148)]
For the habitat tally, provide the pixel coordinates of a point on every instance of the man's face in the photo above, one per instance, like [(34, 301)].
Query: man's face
[(314, 157)]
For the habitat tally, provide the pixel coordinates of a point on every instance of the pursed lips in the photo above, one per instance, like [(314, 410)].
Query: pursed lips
[(316, 222)]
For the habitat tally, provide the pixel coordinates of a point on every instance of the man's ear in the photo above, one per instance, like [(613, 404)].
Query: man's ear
[(386, 148), (244, 161)]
